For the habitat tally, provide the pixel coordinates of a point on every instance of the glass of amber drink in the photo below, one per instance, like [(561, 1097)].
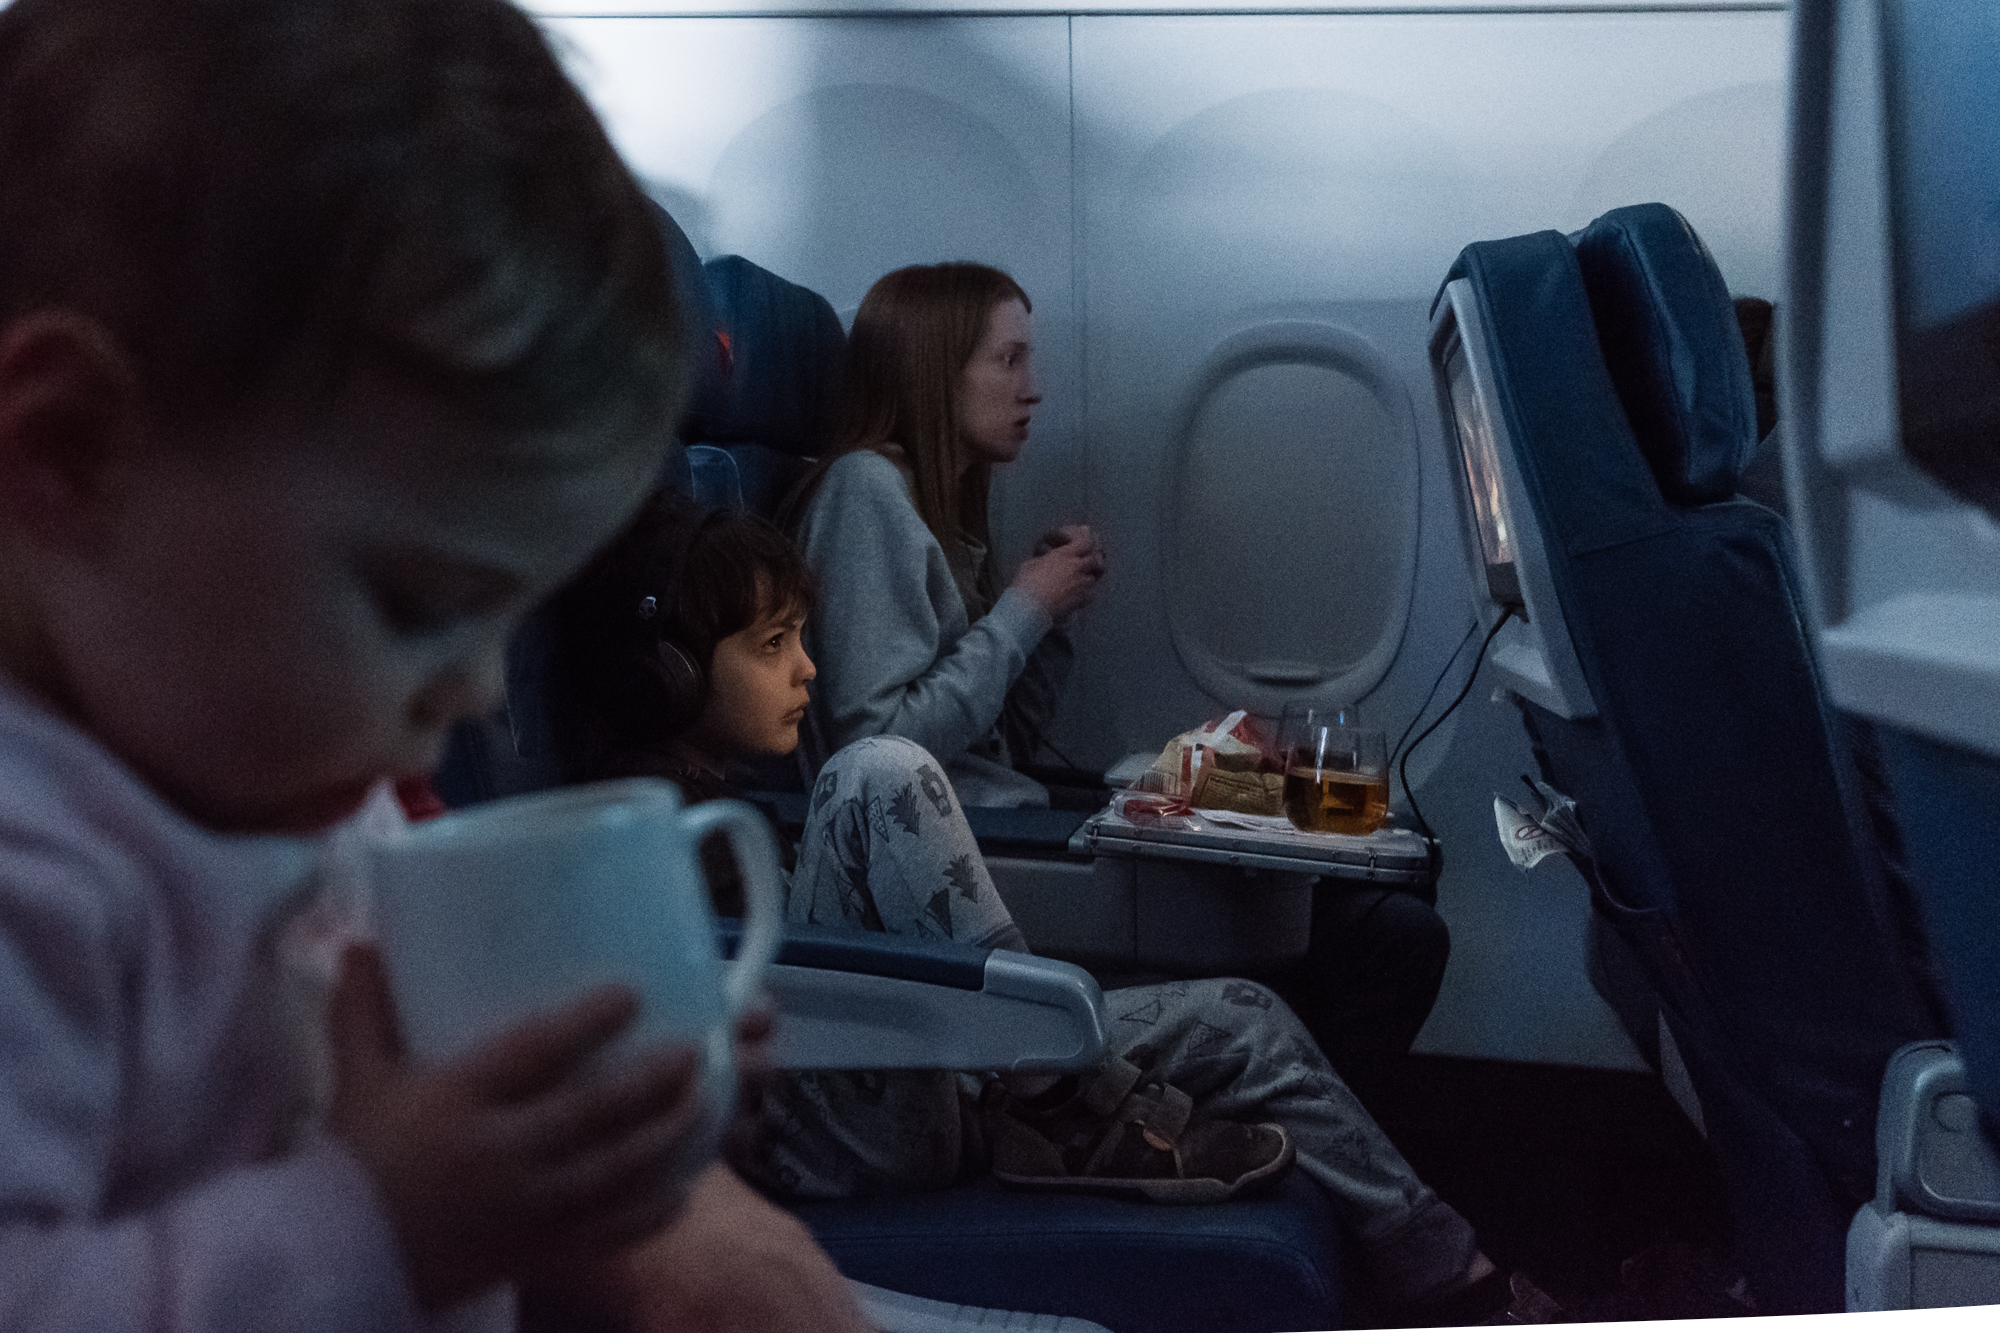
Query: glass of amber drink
[(1336, 771)]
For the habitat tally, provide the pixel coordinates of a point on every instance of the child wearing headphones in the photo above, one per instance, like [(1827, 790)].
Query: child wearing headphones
[(680, 650), (333, 335)]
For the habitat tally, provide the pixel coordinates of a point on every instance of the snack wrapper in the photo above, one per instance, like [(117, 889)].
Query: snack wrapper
[(1528, 844), (1226, 765), (1533, 835)]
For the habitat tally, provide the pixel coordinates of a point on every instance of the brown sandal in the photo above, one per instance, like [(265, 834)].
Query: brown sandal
[(1124, 1133)]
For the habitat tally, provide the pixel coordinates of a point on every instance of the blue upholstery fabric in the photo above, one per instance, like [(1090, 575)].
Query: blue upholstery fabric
[(1256, 1266), (764, 477), (1949, 802), (707, 396), (717, 481), (1671, 342), (528, 705), (1731, 846), (785, 353)]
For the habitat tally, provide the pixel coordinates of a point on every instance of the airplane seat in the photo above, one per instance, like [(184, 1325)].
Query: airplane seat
[(1710, 774), (782, 351), (510, 751), (782, 348), (851, 999), (707, 352), (1890, 392), (1250, 1266)]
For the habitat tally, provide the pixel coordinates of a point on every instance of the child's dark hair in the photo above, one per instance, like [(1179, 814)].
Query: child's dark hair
[(709, 574), (248, 193)]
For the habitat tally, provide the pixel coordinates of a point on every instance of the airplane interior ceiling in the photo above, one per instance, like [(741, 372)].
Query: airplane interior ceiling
[(1231, 226)]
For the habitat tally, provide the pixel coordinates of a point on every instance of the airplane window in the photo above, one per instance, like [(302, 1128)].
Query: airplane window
[(1285, 467)]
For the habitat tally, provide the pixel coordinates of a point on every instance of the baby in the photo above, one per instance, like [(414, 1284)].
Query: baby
[(333, 335)]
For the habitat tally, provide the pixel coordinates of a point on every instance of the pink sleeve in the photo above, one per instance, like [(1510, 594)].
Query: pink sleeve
[(298, 1245)]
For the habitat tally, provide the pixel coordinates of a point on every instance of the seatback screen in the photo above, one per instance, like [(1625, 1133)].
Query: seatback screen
[(1480, 454)]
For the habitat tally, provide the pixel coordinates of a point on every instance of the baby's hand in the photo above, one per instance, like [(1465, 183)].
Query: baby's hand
[(753, 1050), (518, 1156)]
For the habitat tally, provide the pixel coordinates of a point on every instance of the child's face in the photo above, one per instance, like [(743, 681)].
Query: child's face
[(267, 625), (757, 691)]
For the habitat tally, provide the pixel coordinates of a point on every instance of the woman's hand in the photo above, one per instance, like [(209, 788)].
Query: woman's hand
[(1064, 535), (519, 1156), (1064, 571)]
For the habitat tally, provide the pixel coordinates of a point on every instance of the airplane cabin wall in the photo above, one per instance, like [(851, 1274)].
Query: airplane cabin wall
[(1231, 226)]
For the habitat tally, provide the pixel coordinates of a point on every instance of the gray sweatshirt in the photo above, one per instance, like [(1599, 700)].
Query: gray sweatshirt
[(897, 653)]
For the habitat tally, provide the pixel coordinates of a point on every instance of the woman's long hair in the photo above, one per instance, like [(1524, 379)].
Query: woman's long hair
[(912, 339)]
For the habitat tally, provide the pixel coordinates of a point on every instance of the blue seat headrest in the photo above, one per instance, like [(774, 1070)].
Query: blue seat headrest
[(1670, 340), (785, 349), (531, 712), (707, 398)]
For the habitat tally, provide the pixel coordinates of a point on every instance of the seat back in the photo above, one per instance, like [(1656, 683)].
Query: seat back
[(783, 349), (707, 351), (1713, 782), (1892, 398), (513, 751)]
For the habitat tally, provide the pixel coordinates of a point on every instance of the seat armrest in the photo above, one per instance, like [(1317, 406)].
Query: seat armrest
[(1933, 1159), (851, 999)]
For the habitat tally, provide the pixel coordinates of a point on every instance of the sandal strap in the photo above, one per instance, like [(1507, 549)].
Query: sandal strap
[(1119, 1099), (1168, 1118), (1109, 1087)]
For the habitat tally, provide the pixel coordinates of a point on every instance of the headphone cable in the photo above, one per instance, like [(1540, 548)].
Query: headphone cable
[(1403, 769), (1444, 671)]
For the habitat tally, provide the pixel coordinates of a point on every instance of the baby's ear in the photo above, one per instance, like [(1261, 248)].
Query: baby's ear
[(69, 409)]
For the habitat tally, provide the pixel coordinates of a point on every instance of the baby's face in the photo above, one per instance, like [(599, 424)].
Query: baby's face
[(267, 629)]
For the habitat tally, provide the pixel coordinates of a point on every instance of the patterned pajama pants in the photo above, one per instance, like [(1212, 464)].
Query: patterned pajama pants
[(886, 848)]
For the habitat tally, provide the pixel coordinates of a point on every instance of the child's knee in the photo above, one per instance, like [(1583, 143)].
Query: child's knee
[(891, 761), (1252, 1011), (1233, 995)]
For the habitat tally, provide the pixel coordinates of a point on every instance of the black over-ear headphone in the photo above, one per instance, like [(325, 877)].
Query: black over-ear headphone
[(658, 687)]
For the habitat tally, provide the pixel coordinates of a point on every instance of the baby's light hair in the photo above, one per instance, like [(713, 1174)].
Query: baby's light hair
[(245, 193)]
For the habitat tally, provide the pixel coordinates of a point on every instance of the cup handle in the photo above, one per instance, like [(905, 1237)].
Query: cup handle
[(763, 891)]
